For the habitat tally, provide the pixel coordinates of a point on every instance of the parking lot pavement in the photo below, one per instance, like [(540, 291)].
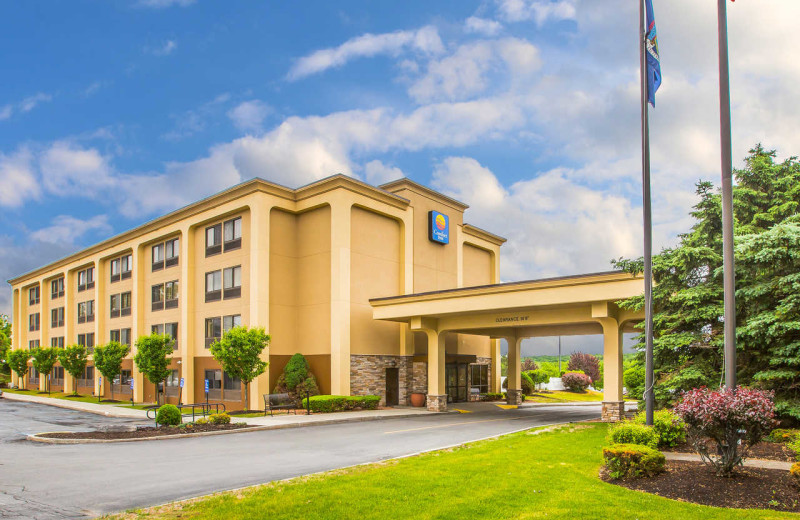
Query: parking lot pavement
[(50, 481)]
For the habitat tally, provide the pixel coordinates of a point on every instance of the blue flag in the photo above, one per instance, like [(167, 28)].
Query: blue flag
[(653, 59)]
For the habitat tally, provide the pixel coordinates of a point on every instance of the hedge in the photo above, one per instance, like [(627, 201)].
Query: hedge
[(632, 433), (337, 403), (669, 427), (633, 461)]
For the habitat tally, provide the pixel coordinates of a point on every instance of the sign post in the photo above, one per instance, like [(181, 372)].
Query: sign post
[(99, 387), (180, 392), (131, 391)]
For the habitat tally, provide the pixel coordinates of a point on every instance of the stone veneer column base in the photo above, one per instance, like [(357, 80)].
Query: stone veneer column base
[(514, 397), (437, 403), (613, 411)]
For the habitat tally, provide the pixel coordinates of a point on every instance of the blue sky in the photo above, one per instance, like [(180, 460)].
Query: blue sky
[(112, 113)]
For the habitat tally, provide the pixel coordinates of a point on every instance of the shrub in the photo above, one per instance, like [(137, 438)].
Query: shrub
[(326, 403), (168, 415), (794, 471), (587, 363), (202, 420), (783, 435), (526, 383), (366, 402), (634, 381), (633, 461), (735, 419), (538, 377), (492, 396), (669, 427), (576, 382), (632, 433), (219, 418)]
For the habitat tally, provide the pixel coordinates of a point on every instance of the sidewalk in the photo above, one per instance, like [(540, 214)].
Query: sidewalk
[(277, 421), (753, 463)]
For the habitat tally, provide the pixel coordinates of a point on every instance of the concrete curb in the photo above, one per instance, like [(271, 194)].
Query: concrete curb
[(46, 440), (69, 405)]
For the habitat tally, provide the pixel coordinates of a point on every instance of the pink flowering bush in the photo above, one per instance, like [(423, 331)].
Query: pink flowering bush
[(575, 381), (735, 419)]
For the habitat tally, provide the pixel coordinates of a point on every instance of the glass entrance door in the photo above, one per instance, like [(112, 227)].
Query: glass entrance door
[(456, 376)]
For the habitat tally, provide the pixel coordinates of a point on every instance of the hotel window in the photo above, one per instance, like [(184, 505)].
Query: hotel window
[(479, 378), (171, 330), (125, 304), (122, 336), (214, 378), (87, 340), (173, 249), (57, 342), (33, 322), (115, 270), (171, 294), (57, 317), (57, 288), (158, 257), (173, 388), (57, 376), (33, 344), (87, 378), (158, 297), (213, 330), (33, 376), (86, 312), (115, 305), (229, 322), (213, 286), (33, 295), (126, 265), (86, 279), (114, 335), (232, 234), (232, 385), (157, 329), (232, 282), (214, 240)]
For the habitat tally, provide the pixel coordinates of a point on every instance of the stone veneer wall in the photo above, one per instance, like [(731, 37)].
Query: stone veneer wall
[(419, 380), (368, 375)]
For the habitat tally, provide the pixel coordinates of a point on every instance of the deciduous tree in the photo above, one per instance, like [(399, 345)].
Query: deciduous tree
[(239, 354), (153, 357), (108, 360), (44, 359), (73, 358)]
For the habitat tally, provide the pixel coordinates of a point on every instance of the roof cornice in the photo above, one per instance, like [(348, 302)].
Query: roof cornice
[(483, 234), (407, 183)]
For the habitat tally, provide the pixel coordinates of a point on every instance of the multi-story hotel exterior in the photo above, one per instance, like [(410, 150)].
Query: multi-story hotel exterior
[(302, 263)]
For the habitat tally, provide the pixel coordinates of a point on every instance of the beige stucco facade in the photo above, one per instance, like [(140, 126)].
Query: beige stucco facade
[(304, 264)]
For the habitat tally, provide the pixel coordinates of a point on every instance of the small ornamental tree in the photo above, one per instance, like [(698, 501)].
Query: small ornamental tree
[(239, 354), (576, 381), (528, 364), (73, 358), (5, 342), (152, 357), (587, 363), (735, 419), (108, 360), (18, 361), (44, 358), (297, 379)]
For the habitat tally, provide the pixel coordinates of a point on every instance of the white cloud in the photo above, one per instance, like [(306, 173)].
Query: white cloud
[(540, 11), (18, 178), (465, 72), (165, 49), (193, 121), (68, 169), (5, 112), (378, 173), (248, 116), (29, 103), (65, 229), (425, 40), (474, 24), (161, 4)]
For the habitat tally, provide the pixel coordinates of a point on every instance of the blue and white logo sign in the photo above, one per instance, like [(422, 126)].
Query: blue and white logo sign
[(131, 383), (438, 227), (181, 382), (206, 385)]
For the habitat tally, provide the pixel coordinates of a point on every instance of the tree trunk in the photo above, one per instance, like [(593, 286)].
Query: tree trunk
[(246, 397)]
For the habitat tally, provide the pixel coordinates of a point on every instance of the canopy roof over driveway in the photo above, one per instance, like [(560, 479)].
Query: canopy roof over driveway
[(570, 305)]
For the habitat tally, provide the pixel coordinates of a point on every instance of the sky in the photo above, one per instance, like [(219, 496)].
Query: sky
[(116, 112)]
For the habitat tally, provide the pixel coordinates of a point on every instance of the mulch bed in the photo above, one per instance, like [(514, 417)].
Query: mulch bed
[(749, 488), (762, 450), (142, 432)]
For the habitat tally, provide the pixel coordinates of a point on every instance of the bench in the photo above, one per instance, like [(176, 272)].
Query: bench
[(279, 402)]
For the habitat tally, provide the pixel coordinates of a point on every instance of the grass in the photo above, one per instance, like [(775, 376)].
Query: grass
[(561, 396), (82, 398), (552, 474)]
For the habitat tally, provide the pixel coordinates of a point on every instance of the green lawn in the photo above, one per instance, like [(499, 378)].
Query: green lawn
[(552, 475), (558, 396), (82, 398)]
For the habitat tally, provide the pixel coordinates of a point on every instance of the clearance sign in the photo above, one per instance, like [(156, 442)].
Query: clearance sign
[(438, 227)]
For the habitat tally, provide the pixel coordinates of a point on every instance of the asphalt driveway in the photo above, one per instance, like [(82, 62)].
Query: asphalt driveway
[(45, 481)]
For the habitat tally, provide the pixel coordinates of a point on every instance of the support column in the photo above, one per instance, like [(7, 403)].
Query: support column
[(340, 296), (259, 287), (514, 390), (186, 300), (496, 378), (437, 391), (613, 404), (137, 312)]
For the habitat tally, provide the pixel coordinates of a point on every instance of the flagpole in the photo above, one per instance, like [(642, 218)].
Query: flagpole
[(648, 225), (727, 199)]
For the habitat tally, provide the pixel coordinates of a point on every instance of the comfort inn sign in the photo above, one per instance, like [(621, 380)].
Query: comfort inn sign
[(438, 227)]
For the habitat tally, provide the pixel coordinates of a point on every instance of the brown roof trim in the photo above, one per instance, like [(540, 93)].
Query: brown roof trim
[(499, 287), (239, 190), (485, 235), (407, 183)]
